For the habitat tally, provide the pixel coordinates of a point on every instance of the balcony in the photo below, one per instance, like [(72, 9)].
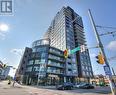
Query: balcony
[(54, 72), (56, 65), (69, 66), (56, 59), (55, 53)]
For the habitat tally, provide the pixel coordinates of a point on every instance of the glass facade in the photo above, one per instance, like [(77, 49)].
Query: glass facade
[(41, 42), (67, 31), (46, 64), (46, 69)]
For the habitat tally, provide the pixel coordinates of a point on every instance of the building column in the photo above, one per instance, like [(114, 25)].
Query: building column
[(27, 80), (64, 79)]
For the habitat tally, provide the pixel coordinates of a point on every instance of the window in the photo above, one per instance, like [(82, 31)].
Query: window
[(23, 62), (36, 68), (90, 73), (29, 69), (25, 56), (42, 61), (37, 61), (43, 55), (89, 68), (30, 62), (34, 49), (22, 68), (87, 73), (83, 72), (83, 67)]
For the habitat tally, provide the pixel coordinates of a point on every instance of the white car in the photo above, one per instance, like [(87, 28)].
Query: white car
[(80, 84)]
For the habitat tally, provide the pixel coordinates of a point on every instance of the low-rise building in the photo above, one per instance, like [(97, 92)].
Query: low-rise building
[(44, 65), (100, 80)]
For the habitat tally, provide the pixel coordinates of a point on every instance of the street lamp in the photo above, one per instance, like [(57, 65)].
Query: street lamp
[(15, 51)]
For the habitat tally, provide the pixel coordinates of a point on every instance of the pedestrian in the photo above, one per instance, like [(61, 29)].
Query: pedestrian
[(9, 80), (14, 81)]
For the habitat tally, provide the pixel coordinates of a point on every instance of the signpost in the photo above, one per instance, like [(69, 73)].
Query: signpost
[(107, 71), (74, 50), (107, 67), (79, 48), (82, 48)]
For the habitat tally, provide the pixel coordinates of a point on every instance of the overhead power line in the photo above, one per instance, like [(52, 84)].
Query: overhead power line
[(105, 27), (112, 58), (107, 33)]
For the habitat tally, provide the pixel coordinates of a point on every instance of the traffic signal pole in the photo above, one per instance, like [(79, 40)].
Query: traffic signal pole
[(112, 86)]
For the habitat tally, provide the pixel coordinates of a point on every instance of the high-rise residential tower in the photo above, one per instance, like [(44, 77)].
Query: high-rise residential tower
[(45, 64), (67, 32)]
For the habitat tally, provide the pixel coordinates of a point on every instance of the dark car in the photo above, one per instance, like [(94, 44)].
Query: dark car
[(65, 86), (87, 86)]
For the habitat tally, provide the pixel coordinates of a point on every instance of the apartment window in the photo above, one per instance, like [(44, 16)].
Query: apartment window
[(37, 61), (83, 72), (43, 55), (30, 62), (69, 70), (38, 43), (29, 69), (89, 68), (23, 62), (25, 56), (36, 68), (45, 42), (34, 49), (87, 73), (83, 67), (22, 68), (90, 73), (42, 61)]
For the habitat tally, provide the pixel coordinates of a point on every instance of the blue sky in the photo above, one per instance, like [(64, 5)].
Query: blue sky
[(32, 18)]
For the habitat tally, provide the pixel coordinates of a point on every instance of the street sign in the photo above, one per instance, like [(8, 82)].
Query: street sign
[(82, 48), (107, 71), (74, 50), (79, 48)]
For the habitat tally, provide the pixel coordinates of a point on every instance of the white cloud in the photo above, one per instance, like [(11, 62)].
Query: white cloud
[(17, 51), (112, 45)]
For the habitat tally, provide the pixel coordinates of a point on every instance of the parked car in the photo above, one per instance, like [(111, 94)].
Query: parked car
[(78, 85), (87, 86), (65, 86)]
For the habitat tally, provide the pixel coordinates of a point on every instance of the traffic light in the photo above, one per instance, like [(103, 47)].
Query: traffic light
[(100, 58), (66, 53), (4, 65)]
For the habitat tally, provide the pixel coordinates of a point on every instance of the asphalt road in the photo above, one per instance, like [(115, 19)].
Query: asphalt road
[(6, 89)]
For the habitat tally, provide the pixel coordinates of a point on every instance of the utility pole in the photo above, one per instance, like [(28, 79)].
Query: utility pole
[(113, 71), (103, 52)]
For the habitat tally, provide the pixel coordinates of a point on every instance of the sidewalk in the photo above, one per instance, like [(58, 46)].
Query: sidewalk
[(46, 87), (6, 89)]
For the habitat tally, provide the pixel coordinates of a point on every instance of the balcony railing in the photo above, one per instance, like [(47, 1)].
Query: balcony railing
[(56, 53), (55, 72), (57, 59), (56, 65)]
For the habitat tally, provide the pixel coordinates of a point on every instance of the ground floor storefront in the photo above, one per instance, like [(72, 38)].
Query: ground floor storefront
[(49, 80)]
